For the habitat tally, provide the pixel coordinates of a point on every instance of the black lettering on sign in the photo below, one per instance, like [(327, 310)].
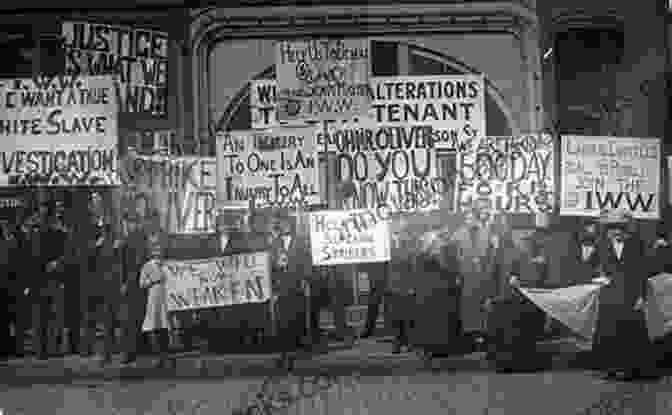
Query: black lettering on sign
[(508, 174), (138, 59)]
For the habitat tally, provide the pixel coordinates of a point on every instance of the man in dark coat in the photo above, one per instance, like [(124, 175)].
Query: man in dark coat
[(134, 253), (586, 259), (8, 245), (621, 346), (659, 257), (291, 269), (100, 278), (377, 273), (48, 243), (515, 323)]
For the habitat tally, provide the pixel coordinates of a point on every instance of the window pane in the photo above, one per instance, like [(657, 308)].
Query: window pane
[(18, 48), (384, 60), (583, 86)]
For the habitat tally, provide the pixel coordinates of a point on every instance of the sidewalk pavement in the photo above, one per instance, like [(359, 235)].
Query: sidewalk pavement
[(371, 356), (385, 383)]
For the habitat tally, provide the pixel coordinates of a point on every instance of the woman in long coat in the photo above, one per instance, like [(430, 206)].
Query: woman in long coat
[(436, 328), (621, 346)]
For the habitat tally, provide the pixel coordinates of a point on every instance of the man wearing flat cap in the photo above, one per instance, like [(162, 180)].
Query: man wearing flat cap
[(621, 345)]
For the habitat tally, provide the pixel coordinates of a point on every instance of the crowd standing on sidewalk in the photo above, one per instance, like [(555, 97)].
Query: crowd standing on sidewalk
[(470, 273)]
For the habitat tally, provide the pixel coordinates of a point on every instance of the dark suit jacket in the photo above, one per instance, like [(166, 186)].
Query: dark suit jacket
[(628, 274), (134, 253), (299, 264), (660, 260), (582, 271)]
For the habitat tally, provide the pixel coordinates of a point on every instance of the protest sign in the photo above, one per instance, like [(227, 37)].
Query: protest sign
[(452, 106), (217, 282), (137, 57), (669, 180), (263, 104), (348, 237), (394, 166), (658, 307), (277, 168), (601, 173), (322, 79), (59, 131), (182, 189), (507, 174)]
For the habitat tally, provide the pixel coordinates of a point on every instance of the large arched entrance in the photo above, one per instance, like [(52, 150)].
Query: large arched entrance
[(394, 59)]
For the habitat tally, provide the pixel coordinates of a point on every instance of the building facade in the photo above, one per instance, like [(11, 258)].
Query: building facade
[(560, 66)]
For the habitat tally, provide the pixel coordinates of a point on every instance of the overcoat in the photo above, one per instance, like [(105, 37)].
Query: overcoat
[(473, 247), (401, 281), (621, 340)]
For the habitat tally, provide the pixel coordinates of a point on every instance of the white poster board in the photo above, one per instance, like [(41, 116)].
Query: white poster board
[(601, 173), (216, 282), (322, 79), (508, 174), (349, 237), (277, 168), (182, 189), (58, 131), (263, 104), (137, 57)]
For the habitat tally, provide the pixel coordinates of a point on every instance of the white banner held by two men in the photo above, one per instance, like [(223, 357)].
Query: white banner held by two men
[(59, 131), (348, 237), (216, 282), (322, 79), (601, 173), (275, 168)]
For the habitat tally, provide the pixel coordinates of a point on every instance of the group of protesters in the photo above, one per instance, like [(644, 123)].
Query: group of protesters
[(470, 275), (66, 279), (481, 269)]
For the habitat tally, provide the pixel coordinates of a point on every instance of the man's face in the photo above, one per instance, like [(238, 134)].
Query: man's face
[(590, 232), (616, 233)]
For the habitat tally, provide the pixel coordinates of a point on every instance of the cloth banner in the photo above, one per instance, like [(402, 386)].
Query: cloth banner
[(658, 308), (216, 282), (575, 306)]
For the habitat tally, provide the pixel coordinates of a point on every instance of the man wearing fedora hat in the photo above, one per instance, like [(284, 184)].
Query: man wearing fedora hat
[(621, 345), (48, 243), (134, 254)]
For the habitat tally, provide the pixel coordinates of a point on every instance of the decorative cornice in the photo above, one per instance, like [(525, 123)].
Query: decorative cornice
[(585, 19), (363, 19)]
